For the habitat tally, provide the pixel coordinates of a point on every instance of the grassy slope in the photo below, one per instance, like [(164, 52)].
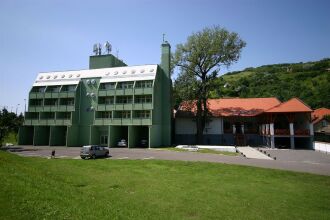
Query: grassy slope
[(35, 188), (10, 138)]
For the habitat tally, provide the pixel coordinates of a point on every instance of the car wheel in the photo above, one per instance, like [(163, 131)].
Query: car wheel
[(82, 157), (93, 156), (107, 155)]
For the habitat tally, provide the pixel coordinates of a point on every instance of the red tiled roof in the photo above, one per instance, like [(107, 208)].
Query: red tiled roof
[(231, 106), (293, 105), (318, 114)]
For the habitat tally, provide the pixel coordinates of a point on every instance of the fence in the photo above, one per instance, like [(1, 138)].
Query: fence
[(322, 146)]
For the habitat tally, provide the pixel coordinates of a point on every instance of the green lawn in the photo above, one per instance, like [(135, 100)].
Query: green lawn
[(208, 151), (36, 188)]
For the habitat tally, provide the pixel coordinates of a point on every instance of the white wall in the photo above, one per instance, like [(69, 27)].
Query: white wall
[(214, 126), (188, 126), (322, 146)]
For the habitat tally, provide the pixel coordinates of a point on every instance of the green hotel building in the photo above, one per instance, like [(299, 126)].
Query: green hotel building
[(103, 105)]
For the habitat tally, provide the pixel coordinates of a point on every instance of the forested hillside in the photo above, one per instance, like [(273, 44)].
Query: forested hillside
[(308, 81)]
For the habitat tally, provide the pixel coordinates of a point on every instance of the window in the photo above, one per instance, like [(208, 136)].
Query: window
[(143, 84), (142, 114), (69, 88), (51, 102), (38, 89), (36, 102), (107, 86), (125, 85), (106, 114), (124, 114), (143, 99), (124, 99), (53, 88)]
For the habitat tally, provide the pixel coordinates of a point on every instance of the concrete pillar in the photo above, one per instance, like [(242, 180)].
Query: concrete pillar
[(292, 142), (272, 138), (292, 136), (234, 129), (267, 129), (271, 128), (311, 129), (291, 129), (242, 128)]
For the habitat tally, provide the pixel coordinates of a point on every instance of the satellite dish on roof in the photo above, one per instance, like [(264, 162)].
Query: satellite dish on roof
[(108, 47)]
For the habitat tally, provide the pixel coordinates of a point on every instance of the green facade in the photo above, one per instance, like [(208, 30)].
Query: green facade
[(92, 111)]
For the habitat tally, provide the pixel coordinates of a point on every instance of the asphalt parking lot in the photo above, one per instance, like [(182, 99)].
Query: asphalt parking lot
[(295, 160)]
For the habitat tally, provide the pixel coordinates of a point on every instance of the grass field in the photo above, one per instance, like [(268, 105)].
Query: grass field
[(36, 188)]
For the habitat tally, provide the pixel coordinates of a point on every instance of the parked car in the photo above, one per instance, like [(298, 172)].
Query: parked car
[(93, 151), (122, 143)]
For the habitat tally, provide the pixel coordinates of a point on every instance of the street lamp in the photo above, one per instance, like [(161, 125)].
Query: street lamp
[(24, 106), (16, 108)]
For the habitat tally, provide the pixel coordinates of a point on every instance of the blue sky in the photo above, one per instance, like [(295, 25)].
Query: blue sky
[(45, 35)]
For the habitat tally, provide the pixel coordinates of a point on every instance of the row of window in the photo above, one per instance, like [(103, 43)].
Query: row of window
[(109, 100), (122, 114), (64, 88), (52, 102), (48, 115), (126, 85)]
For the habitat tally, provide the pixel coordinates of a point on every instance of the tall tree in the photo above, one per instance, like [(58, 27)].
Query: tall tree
[(201, 57)]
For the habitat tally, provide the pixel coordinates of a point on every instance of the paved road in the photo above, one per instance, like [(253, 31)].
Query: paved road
[(294, 160)]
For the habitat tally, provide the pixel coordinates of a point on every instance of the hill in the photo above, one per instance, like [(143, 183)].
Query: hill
[(308, 81)]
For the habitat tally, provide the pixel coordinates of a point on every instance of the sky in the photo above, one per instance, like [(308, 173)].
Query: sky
[(58, 35)]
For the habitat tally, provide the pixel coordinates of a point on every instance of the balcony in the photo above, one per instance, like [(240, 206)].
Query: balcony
[(141, 121), (142, 91), (110, 92), (126, 106), (50, 108), (103, 121), (36, 95), (70, 94), (124, 91), (66, 108), (142, 106), (31, 121), (39, 108), (104, 107), (63, 122)]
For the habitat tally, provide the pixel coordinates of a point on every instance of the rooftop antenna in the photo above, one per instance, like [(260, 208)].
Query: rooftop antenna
[(163, 38), (100, 49), (108, 47), (95, 49)]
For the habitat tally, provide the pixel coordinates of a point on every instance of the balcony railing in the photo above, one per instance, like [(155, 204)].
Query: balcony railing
[(302, 132), (49, 122), (282, 132)]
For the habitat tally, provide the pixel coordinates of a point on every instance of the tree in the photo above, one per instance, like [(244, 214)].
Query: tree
[(9, 122), (201, 58)]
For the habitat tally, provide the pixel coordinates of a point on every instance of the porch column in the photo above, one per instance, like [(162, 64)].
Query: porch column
[(267, 129), (311, 133), (234, 129), (292, 136), (272, 133), (242, 128), (311, 129)]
